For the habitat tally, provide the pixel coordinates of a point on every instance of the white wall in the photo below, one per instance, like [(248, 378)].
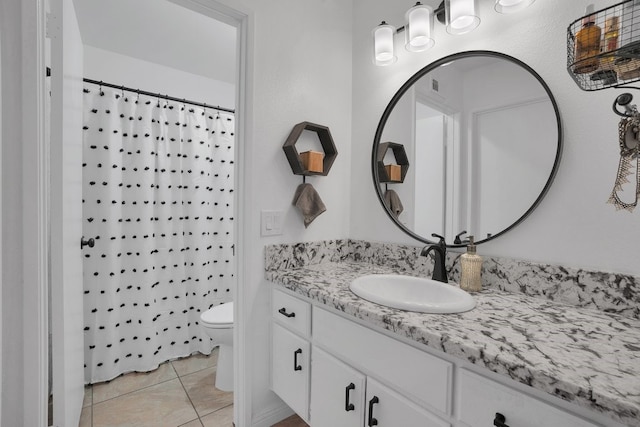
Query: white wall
[(300, 71), (573, 225), (111, 67)]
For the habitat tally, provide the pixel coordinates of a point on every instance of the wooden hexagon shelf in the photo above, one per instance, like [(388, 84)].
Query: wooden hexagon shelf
[(401, 160), (324, 135)]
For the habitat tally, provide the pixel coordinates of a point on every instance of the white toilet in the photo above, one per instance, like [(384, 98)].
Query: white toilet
[(218, 324)]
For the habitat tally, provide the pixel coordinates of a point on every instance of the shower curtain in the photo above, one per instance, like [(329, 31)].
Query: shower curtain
[(158, 198)]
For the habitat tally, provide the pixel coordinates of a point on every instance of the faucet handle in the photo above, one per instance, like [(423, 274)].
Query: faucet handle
[(458, 240), (441, 242)]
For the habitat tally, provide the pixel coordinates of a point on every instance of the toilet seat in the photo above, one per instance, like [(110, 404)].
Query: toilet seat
[(219, 316)]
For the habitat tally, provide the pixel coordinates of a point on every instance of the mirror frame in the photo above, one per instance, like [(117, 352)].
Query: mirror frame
[(407, 85)]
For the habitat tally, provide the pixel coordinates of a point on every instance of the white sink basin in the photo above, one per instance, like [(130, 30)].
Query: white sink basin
[(412, 293)]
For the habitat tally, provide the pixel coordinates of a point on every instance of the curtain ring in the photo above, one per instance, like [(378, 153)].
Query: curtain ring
[(137, 95), (100, 89), (158, 98)]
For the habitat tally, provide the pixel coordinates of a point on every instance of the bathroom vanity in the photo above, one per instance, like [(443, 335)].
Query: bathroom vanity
[(338, 360)]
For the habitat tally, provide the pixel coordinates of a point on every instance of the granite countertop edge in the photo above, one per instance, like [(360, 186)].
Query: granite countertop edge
[(583, 356)]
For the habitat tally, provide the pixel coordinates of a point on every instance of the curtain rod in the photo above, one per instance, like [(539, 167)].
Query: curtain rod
[(158, 95)]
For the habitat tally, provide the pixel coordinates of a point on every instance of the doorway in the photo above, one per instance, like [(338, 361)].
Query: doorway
[(154, 30)]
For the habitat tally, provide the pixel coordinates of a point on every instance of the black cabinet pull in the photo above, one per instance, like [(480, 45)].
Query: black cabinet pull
[(283, 311), (372, 421), (349, 406), (500, 420), (296, 367)]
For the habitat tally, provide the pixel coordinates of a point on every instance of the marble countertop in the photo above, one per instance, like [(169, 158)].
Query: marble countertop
[(584, 356)]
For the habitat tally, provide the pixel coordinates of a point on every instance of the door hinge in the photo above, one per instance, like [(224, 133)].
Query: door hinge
[(52, 26)]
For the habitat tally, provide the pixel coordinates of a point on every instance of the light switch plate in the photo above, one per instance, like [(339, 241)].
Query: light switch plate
[(271, 223)]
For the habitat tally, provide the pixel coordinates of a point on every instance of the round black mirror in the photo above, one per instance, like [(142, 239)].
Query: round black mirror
[(469, 145)]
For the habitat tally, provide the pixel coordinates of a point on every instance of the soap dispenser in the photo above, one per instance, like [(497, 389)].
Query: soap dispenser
[(471, 269)]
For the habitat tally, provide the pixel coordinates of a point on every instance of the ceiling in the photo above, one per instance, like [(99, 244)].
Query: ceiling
[(161, 32)]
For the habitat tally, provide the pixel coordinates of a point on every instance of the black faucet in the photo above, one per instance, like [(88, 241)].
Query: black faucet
[(440, 253)]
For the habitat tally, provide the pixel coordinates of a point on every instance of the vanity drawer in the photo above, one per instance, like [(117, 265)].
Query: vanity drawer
[(291, 312), (424, 378), (480, 399)]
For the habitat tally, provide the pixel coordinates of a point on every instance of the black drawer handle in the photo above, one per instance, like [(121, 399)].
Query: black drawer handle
[(372, 421), (500, 420), (349, 406), (283, 311), (296, 367)]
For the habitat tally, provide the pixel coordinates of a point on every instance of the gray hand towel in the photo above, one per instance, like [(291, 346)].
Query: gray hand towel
[(392, 200), (309, 202)]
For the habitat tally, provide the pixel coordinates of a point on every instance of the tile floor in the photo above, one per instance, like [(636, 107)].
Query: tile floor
[(180, 393)]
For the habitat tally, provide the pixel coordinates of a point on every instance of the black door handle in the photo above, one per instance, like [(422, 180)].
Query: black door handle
[(296, 367), (349, 406), (500, 420), (283, 311), (91, 243), (372, 421)]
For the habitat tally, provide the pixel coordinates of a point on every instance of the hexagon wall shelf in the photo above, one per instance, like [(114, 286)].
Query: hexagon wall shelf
[(401, 160), (329, 148)]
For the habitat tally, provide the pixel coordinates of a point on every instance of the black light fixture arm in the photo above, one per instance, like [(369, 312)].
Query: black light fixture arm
[(439, 14)]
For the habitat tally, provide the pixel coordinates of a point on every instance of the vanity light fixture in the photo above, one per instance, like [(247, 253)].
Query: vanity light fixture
[(459, 16), (383, 53), (419, 21)]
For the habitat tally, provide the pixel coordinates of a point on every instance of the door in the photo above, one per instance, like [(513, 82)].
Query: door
[(290, 369), (385, 408), (337, 392), (66, 215)]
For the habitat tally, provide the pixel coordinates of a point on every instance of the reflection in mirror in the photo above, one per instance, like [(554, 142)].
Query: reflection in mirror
[(482, 133)]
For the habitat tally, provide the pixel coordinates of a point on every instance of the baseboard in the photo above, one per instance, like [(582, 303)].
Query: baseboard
[(271, 416)]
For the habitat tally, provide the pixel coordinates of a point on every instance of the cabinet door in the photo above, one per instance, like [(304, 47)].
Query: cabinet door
[(290, 369), (386, 408), (481, 399), (337, 392)]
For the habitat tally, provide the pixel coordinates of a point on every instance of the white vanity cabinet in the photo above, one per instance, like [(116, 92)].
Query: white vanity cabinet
[(333, 371)]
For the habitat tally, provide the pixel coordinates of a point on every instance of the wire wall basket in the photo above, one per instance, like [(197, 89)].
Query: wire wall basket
[(603, 47)]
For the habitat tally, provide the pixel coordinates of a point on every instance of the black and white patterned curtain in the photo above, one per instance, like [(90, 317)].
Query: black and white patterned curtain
[(158, 199)]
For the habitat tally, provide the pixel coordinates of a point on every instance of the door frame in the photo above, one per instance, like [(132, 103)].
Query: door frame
[(243, 20), (35, 214)]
